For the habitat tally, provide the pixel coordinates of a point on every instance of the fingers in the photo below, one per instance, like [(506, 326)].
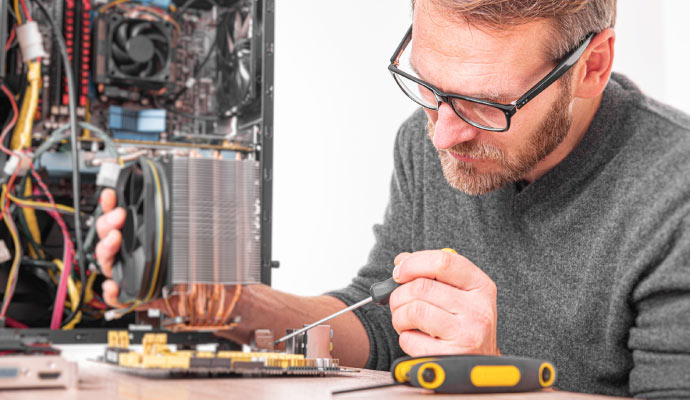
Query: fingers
[(399, 258), (108, 200), (442, 266), (112, 220), (436, 293), (110, 293), (418, 344), (427, 318), (106, 249)]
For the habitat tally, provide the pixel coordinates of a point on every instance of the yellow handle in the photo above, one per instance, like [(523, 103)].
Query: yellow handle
[(447, 250)]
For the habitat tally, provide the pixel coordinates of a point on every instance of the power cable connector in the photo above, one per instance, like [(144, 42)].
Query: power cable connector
[(20, 162), (108, 175), (30, 41)]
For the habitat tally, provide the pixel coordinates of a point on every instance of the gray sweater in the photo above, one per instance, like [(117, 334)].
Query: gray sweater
[(591, 261)]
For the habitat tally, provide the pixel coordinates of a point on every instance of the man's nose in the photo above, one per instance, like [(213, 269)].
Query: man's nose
[(451, 129)]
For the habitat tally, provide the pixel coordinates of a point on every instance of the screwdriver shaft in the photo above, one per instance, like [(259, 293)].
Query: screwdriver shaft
[(321, 321)]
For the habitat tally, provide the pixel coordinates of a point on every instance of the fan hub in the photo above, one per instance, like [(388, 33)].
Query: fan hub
[(140, 49)]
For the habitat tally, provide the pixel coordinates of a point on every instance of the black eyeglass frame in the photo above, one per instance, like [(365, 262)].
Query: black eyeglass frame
[(508, 109)]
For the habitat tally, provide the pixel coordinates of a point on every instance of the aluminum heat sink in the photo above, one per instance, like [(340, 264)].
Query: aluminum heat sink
[(215, 221)]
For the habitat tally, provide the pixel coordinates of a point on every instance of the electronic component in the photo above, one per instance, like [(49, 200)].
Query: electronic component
[(192, 226), (33, 363), (156, 356), (262, 339), (144, 125), (313, 343), (134, 51), (24, 372)]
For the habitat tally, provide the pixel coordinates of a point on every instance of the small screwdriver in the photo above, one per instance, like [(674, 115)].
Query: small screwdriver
[(380, 294)]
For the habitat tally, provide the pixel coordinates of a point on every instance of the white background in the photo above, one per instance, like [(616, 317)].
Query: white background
[(337, 111)]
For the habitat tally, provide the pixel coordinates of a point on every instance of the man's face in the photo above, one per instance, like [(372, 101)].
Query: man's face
[(460, 58)]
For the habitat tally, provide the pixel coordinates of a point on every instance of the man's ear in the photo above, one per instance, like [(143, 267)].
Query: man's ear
[(594, 68)]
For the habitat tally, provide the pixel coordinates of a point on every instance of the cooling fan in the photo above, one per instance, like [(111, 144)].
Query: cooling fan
[(236, 59), (143, 192), (137, 52)]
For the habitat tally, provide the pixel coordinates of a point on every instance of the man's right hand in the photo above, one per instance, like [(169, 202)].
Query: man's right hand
[(108, 227)]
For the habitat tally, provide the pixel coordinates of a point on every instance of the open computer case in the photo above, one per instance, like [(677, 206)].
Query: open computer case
[(169, 103)]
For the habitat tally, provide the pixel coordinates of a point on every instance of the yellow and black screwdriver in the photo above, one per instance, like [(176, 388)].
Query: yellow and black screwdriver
[(469, 374), (380, 294)]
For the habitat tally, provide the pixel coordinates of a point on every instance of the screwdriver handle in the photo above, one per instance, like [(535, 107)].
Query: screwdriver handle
[(381, 291)]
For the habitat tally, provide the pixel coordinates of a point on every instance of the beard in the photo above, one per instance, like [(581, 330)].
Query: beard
[(541, 142)]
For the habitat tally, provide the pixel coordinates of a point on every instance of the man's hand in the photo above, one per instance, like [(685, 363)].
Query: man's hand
[(108, 227), (446, 305)]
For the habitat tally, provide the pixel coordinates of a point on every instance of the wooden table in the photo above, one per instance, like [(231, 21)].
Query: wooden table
[(101, 382)]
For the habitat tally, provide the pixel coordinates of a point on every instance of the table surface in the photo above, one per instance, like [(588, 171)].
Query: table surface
[(102, 382)]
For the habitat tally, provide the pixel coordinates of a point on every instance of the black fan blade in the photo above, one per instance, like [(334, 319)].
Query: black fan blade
[(241, 85), (148, 71), (120, 55), (159, 60), (139, 28), (121, 35), (141, 230), (241, 28), (158, 38), (135, 188), (132, 70)]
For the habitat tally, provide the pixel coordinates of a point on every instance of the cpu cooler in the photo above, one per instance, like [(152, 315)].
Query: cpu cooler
[(192, 226), (132, 51)]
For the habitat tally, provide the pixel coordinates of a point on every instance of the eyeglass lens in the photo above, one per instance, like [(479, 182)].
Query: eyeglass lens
[(477, 113)]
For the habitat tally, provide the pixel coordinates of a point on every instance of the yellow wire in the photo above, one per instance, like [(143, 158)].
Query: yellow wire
[(109, 5), (32, 223), (39, 204), (88, 295), (16, 11), (15, 240), (73, 291), (21, 138)]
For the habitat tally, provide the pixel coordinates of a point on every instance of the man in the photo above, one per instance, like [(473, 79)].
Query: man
[(568, 207)]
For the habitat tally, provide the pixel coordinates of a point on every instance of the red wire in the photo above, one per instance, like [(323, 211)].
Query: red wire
[(9, 41), (26, 11), (9, 127), (13, 323), (97, 304)]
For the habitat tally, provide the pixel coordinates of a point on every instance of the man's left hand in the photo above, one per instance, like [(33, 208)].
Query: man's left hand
[(446, 305)]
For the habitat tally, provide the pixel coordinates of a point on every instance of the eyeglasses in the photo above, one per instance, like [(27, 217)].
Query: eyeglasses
[(480, 113)]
